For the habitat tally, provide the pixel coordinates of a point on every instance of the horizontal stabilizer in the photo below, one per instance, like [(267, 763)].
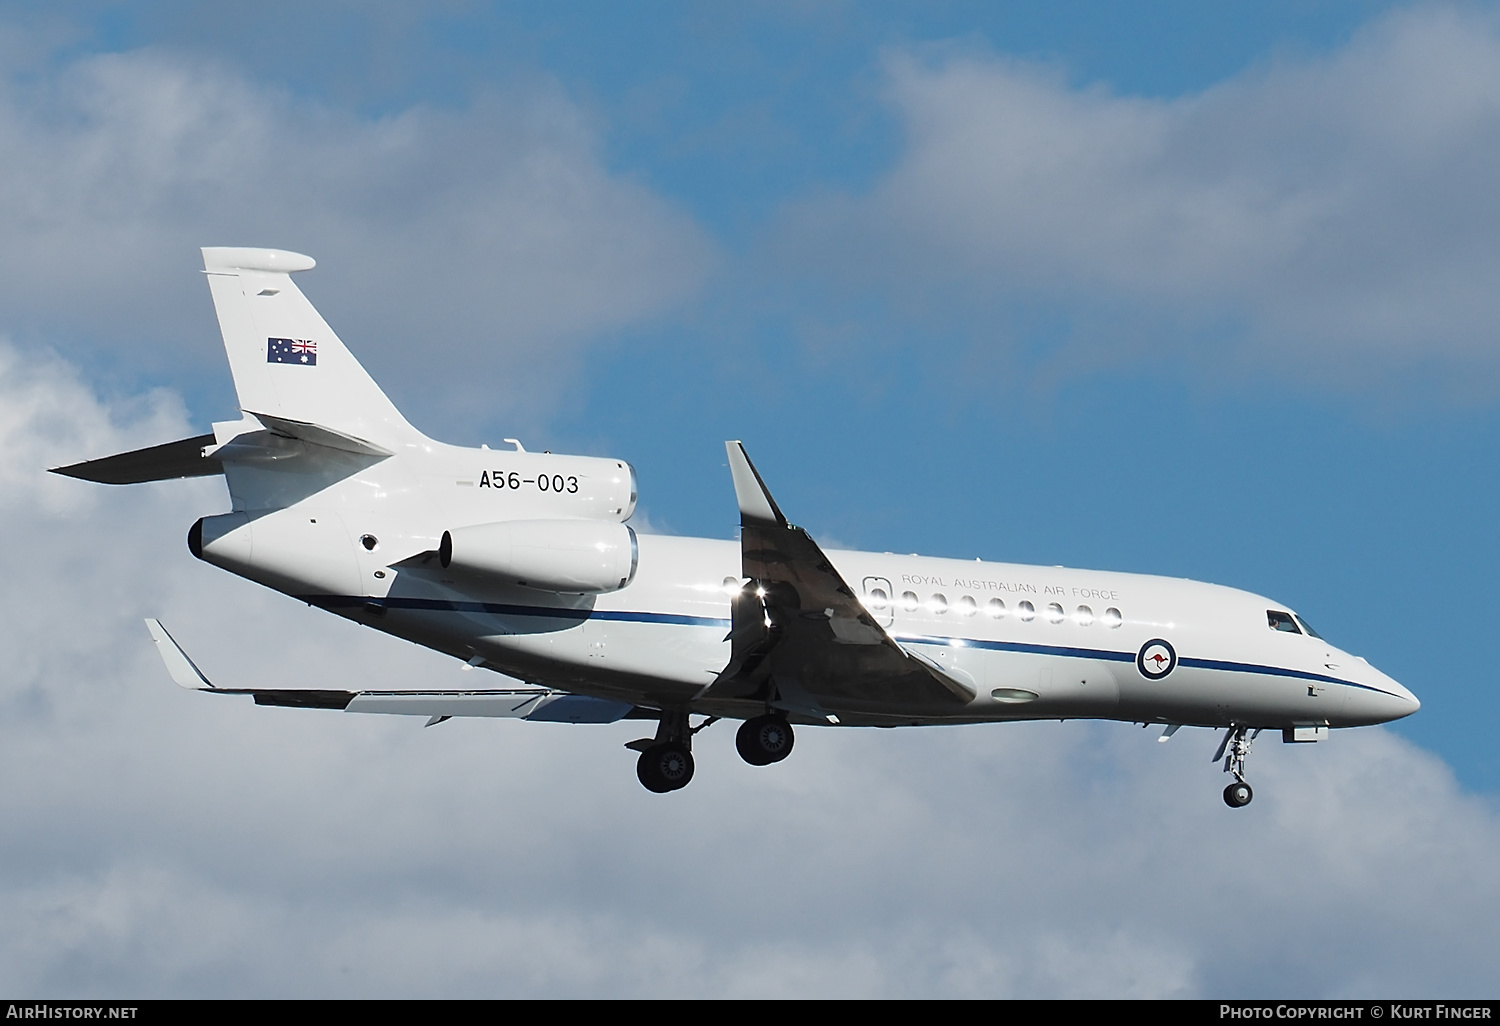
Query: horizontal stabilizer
[(158, 463)]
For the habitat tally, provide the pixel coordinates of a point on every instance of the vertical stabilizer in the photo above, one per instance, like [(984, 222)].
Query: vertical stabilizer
[(286, 361)]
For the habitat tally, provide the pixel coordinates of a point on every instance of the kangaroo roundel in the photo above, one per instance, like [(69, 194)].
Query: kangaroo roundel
[(1156, 659)]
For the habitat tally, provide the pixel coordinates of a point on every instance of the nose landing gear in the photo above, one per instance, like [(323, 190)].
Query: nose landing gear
[(1234, 750)]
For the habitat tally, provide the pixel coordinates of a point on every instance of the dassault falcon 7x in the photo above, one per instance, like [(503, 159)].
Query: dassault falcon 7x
[(524, 563)]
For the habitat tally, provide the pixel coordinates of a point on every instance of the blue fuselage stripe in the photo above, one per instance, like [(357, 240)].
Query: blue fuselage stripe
[(1129, 657), (1221, 664), (679, 620), (506, 609), (1018, 646)]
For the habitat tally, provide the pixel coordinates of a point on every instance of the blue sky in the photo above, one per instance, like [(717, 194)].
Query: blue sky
[(1198, 290), (1323, 496)]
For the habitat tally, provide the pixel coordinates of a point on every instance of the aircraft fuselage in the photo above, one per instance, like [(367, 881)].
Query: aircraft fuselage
[(1034, 642)]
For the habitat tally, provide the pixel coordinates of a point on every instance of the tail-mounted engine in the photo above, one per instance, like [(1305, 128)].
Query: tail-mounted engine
[(578, 557)]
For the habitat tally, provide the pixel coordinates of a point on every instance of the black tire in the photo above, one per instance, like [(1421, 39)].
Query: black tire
[(665, 767), (763, 740), (1238, 794)]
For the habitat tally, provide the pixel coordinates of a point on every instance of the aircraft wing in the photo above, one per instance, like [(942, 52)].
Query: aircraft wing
[(801, 640), (524, 703)]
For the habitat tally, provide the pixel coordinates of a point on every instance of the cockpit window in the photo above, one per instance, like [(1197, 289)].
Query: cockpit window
[(1280, 621), (1307, 627)]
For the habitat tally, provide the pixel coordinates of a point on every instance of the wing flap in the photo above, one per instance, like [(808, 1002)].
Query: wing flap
[(298, 698), (534, 704)]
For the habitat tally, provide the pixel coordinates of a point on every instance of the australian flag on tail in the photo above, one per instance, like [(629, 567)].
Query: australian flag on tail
[(300, 351)]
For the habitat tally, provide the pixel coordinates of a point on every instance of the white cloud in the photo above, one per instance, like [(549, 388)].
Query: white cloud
[(1323, 215), (479, 249), (155, 842)]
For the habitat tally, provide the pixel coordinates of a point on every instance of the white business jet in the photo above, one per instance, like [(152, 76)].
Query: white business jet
[(524, 563)]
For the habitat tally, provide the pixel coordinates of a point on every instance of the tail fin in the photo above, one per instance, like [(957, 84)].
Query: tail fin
[(287, 363)]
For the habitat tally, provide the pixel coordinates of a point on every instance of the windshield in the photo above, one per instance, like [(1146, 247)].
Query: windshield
[(1291, 623), (1307, 628), (1281, 621)]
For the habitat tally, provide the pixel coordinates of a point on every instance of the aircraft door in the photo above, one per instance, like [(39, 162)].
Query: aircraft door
[(880, 600)]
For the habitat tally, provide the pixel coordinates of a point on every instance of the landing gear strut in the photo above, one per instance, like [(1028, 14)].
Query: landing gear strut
[(1234, 750), (763, 740)]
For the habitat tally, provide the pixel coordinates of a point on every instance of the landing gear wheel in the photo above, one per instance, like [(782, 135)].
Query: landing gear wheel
[(665, 767), (1234, 749), (764, 740)]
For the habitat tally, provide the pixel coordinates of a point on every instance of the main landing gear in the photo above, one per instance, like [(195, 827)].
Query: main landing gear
[(666, 761), (765, 739), (665, 767), (1234, 750)]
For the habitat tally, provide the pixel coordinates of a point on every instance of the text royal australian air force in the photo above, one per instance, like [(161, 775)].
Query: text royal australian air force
[(998, 591), (984, 584)]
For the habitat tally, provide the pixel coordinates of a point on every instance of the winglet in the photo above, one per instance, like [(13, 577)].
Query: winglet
[(184, 672), (754, 497)]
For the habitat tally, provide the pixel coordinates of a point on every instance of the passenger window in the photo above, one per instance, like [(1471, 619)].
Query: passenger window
[(938, 603), (878, 598), (995, 608), (967, 607), (909, 601), (1026, 610), (1085, 616), (1112, 618), (1054, 613), (1280, 621)]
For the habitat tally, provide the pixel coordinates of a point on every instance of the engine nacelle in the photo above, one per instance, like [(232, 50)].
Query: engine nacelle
[(578, 557), (299, 551)]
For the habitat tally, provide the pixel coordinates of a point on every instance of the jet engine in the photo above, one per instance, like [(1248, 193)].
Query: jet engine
[(301, 551), (572, 556)]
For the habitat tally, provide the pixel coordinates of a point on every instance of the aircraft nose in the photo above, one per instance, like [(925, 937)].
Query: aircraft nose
[(1412, 702), (1387, 700), (1405, 702)]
